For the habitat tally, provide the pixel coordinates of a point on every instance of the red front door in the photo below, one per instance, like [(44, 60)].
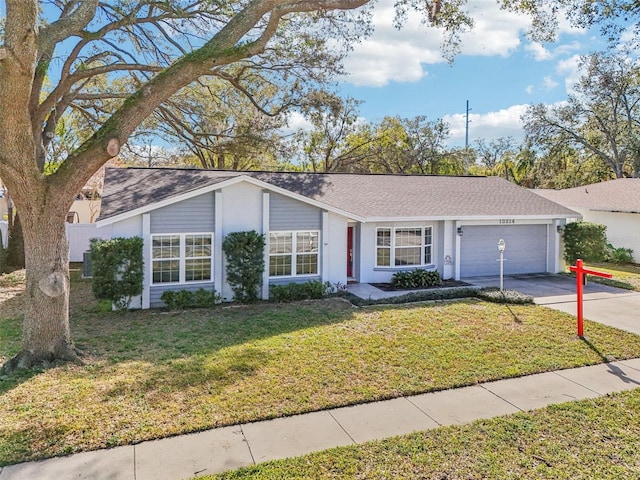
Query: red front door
[(349, 252)]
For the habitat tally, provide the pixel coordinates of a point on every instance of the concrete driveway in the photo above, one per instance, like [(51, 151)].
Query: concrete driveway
[(608, 305)]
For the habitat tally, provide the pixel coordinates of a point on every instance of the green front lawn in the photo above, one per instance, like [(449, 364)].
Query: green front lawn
[(151, 374), (589, 439), (625, 275)]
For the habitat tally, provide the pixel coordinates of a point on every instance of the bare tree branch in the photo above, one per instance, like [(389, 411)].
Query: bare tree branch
[(74, 18)]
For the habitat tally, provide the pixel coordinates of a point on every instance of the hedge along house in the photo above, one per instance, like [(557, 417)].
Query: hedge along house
[(329, 227)]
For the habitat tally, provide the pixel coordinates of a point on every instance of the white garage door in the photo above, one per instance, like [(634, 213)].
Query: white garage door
[(526, 249)]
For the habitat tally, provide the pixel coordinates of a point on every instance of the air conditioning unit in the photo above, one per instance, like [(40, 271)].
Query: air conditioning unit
[(86, 264)]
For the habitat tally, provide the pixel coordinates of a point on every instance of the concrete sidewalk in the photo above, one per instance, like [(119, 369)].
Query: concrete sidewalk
[(228, 448)]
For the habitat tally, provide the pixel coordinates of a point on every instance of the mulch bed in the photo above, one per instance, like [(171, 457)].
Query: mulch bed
[(387, 287)]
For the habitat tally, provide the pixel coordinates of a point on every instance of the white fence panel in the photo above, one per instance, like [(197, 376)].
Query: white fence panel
[(4, 230), (79, 235)]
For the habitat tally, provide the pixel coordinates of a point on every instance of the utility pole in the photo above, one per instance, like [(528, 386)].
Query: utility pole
[(466, 141), (466, 137)]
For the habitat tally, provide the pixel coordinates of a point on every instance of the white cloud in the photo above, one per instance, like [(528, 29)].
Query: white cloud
[(488, 126), (400, 55), (391, 54), (549, 83), (567, 48), (569, 68), (628, 37), (541, 53), (538, 51), (530, 89), (296, 121), (496, 32)]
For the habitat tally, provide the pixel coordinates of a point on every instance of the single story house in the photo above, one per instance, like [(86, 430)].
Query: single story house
[(330, 227), (614, 203)]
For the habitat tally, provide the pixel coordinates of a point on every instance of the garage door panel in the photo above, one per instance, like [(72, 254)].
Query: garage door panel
[(526, 250)]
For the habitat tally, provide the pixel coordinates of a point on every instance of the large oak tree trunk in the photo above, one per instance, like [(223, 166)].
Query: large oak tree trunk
[(46, 334)]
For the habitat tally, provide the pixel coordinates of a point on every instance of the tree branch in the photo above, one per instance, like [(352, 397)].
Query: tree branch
[(223, 48), (70, 23)]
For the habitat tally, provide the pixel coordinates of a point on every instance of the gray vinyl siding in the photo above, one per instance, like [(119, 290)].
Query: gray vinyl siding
[(288, 280), (156, 291), (193, 215), (286, 214)]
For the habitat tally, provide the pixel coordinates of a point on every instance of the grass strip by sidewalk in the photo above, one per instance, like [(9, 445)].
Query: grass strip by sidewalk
[(586, 439), (152, 374)]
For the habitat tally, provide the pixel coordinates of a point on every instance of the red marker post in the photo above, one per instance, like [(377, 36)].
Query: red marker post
[(580, 271)]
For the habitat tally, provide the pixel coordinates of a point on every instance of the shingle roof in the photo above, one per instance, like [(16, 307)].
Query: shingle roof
[(367, 196), (621, 195)]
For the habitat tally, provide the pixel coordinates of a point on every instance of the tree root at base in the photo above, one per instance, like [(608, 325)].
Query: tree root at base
[(26, 360)]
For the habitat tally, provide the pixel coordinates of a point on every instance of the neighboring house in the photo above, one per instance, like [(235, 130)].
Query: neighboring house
[(80, 219), (86, 207), (330, 227), (615, 204)]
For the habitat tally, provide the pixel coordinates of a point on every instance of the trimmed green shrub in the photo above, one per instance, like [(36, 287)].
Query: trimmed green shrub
[(493, 294), (489, 294), (245, 264), (412, 297), (585, 240), (182, 299), (310, 290), (619, 255), (116, 266), (205, 298), (415, 279)]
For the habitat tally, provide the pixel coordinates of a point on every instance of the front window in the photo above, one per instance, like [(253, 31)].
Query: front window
[(384, 247), (166, 258), (404, 246), (293, 253), (181, 258), (280, 253)]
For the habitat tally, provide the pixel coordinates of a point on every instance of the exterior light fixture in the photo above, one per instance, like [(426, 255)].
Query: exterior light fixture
[(460, 231), (501, 247)]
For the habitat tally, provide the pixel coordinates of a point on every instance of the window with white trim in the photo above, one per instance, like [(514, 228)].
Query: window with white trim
[(404, 246), (181, 258), (293, 253)]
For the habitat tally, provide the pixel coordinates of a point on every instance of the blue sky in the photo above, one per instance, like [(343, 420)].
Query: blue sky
[(499, 71)]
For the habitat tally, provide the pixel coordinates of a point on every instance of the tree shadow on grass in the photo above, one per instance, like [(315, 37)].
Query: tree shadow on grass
[(613, 369), (173, 343), (515, 316), (157, 335), (166, 378), (10, 382), (11, 311)]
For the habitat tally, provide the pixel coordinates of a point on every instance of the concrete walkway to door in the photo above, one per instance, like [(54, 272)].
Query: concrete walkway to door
[(608, 305)]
